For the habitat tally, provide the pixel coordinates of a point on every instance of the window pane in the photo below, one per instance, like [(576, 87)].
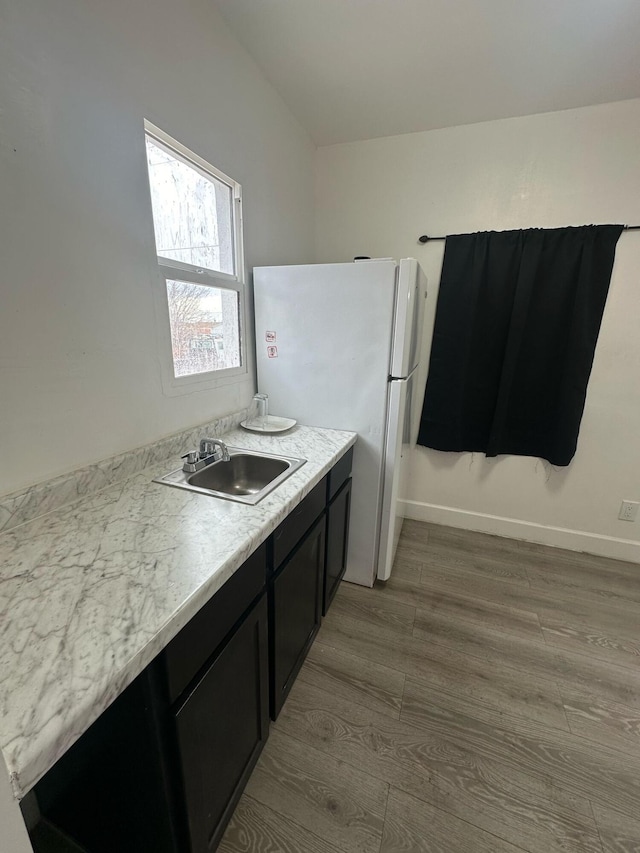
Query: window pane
[(204, 328), (192, 213)]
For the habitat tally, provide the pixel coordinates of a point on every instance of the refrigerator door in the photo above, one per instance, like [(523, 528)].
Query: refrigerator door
[(409, 313), (323, 349), (396, 471)]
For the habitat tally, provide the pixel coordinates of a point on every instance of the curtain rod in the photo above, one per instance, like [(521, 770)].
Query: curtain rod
[(426, 239)]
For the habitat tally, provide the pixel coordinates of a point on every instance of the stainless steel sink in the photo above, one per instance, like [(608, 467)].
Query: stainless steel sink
[(246, 478)]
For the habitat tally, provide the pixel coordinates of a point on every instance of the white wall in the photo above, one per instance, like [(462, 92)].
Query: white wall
[(79, 372), (567, 168)]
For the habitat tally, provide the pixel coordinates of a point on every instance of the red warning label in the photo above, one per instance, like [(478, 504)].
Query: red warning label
[(272, 352)]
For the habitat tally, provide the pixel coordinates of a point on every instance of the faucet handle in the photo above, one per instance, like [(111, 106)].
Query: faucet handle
[(208, 448), (191, 457)]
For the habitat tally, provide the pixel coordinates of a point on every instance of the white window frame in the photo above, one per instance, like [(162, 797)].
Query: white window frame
[(180, 271)]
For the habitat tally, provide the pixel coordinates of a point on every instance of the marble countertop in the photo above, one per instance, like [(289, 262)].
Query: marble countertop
[(90, 593)]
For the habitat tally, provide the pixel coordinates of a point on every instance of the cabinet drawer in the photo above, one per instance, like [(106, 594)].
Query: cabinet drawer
[(298, 522), (339, 474), (196, 642)]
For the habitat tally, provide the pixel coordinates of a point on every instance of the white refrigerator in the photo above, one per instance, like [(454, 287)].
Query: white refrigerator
[(338, 345)]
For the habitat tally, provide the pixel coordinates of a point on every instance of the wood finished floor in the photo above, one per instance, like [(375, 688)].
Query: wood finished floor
[(485, 700)]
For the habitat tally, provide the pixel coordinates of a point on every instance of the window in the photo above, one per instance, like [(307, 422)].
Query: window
[(198, 234)]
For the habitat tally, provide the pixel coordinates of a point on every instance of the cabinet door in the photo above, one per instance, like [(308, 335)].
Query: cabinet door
[(337, 542), (189, 651), (222, 727), (296, 607), (296, 524), (112, 791)]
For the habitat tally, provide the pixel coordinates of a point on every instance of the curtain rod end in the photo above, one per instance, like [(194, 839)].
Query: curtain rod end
[(424, 239)]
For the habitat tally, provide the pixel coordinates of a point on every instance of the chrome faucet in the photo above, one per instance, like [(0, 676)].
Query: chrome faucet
[(208, 446), (196, 460)]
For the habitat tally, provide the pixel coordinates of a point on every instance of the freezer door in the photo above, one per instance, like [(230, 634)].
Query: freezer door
[(396, 471), (409, 314)]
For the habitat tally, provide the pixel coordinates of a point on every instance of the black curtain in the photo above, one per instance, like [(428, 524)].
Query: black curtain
[(517, 321)]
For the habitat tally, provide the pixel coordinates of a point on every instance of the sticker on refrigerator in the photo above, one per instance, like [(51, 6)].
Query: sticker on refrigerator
[(272, 352), (270, 337)]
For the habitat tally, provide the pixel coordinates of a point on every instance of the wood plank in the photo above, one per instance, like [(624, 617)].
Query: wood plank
[(415, 531), (468, 543), (447, 582), (601, 565), (386, 611), (407, 569), (370, 684), (587, 640), (413, 826), (570, 580), (255, 828), (459, 605), (589, 570), (477, 638), (479, 612), (502, 565), (526, 811), (458, 537), (608, 723), (535, 658), (606, 615), (597, 572), (323, 794), (443, 668), (580, 766), (618, 833)]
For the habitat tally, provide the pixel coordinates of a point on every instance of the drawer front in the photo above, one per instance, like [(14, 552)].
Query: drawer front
[(293, 528), (339, 474), (187, 653)]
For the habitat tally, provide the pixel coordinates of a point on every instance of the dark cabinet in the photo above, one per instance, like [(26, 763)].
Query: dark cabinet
[(221, 729), (295, 602), (339, 474), (189, 651), (337, 541), (296, 524), (47, 838), (338, 512), (215, 676), (112, 790), (163, 767)]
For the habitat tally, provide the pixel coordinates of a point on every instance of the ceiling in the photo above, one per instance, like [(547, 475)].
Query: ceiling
[(360, 69)]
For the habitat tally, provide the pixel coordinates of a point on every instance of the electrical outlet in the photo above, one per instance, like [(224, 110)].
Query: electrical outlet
[(628, 511)]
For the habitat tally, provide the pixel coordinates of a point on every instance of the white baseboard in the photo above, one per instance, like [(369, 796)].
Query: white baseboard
[(513, 528)]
